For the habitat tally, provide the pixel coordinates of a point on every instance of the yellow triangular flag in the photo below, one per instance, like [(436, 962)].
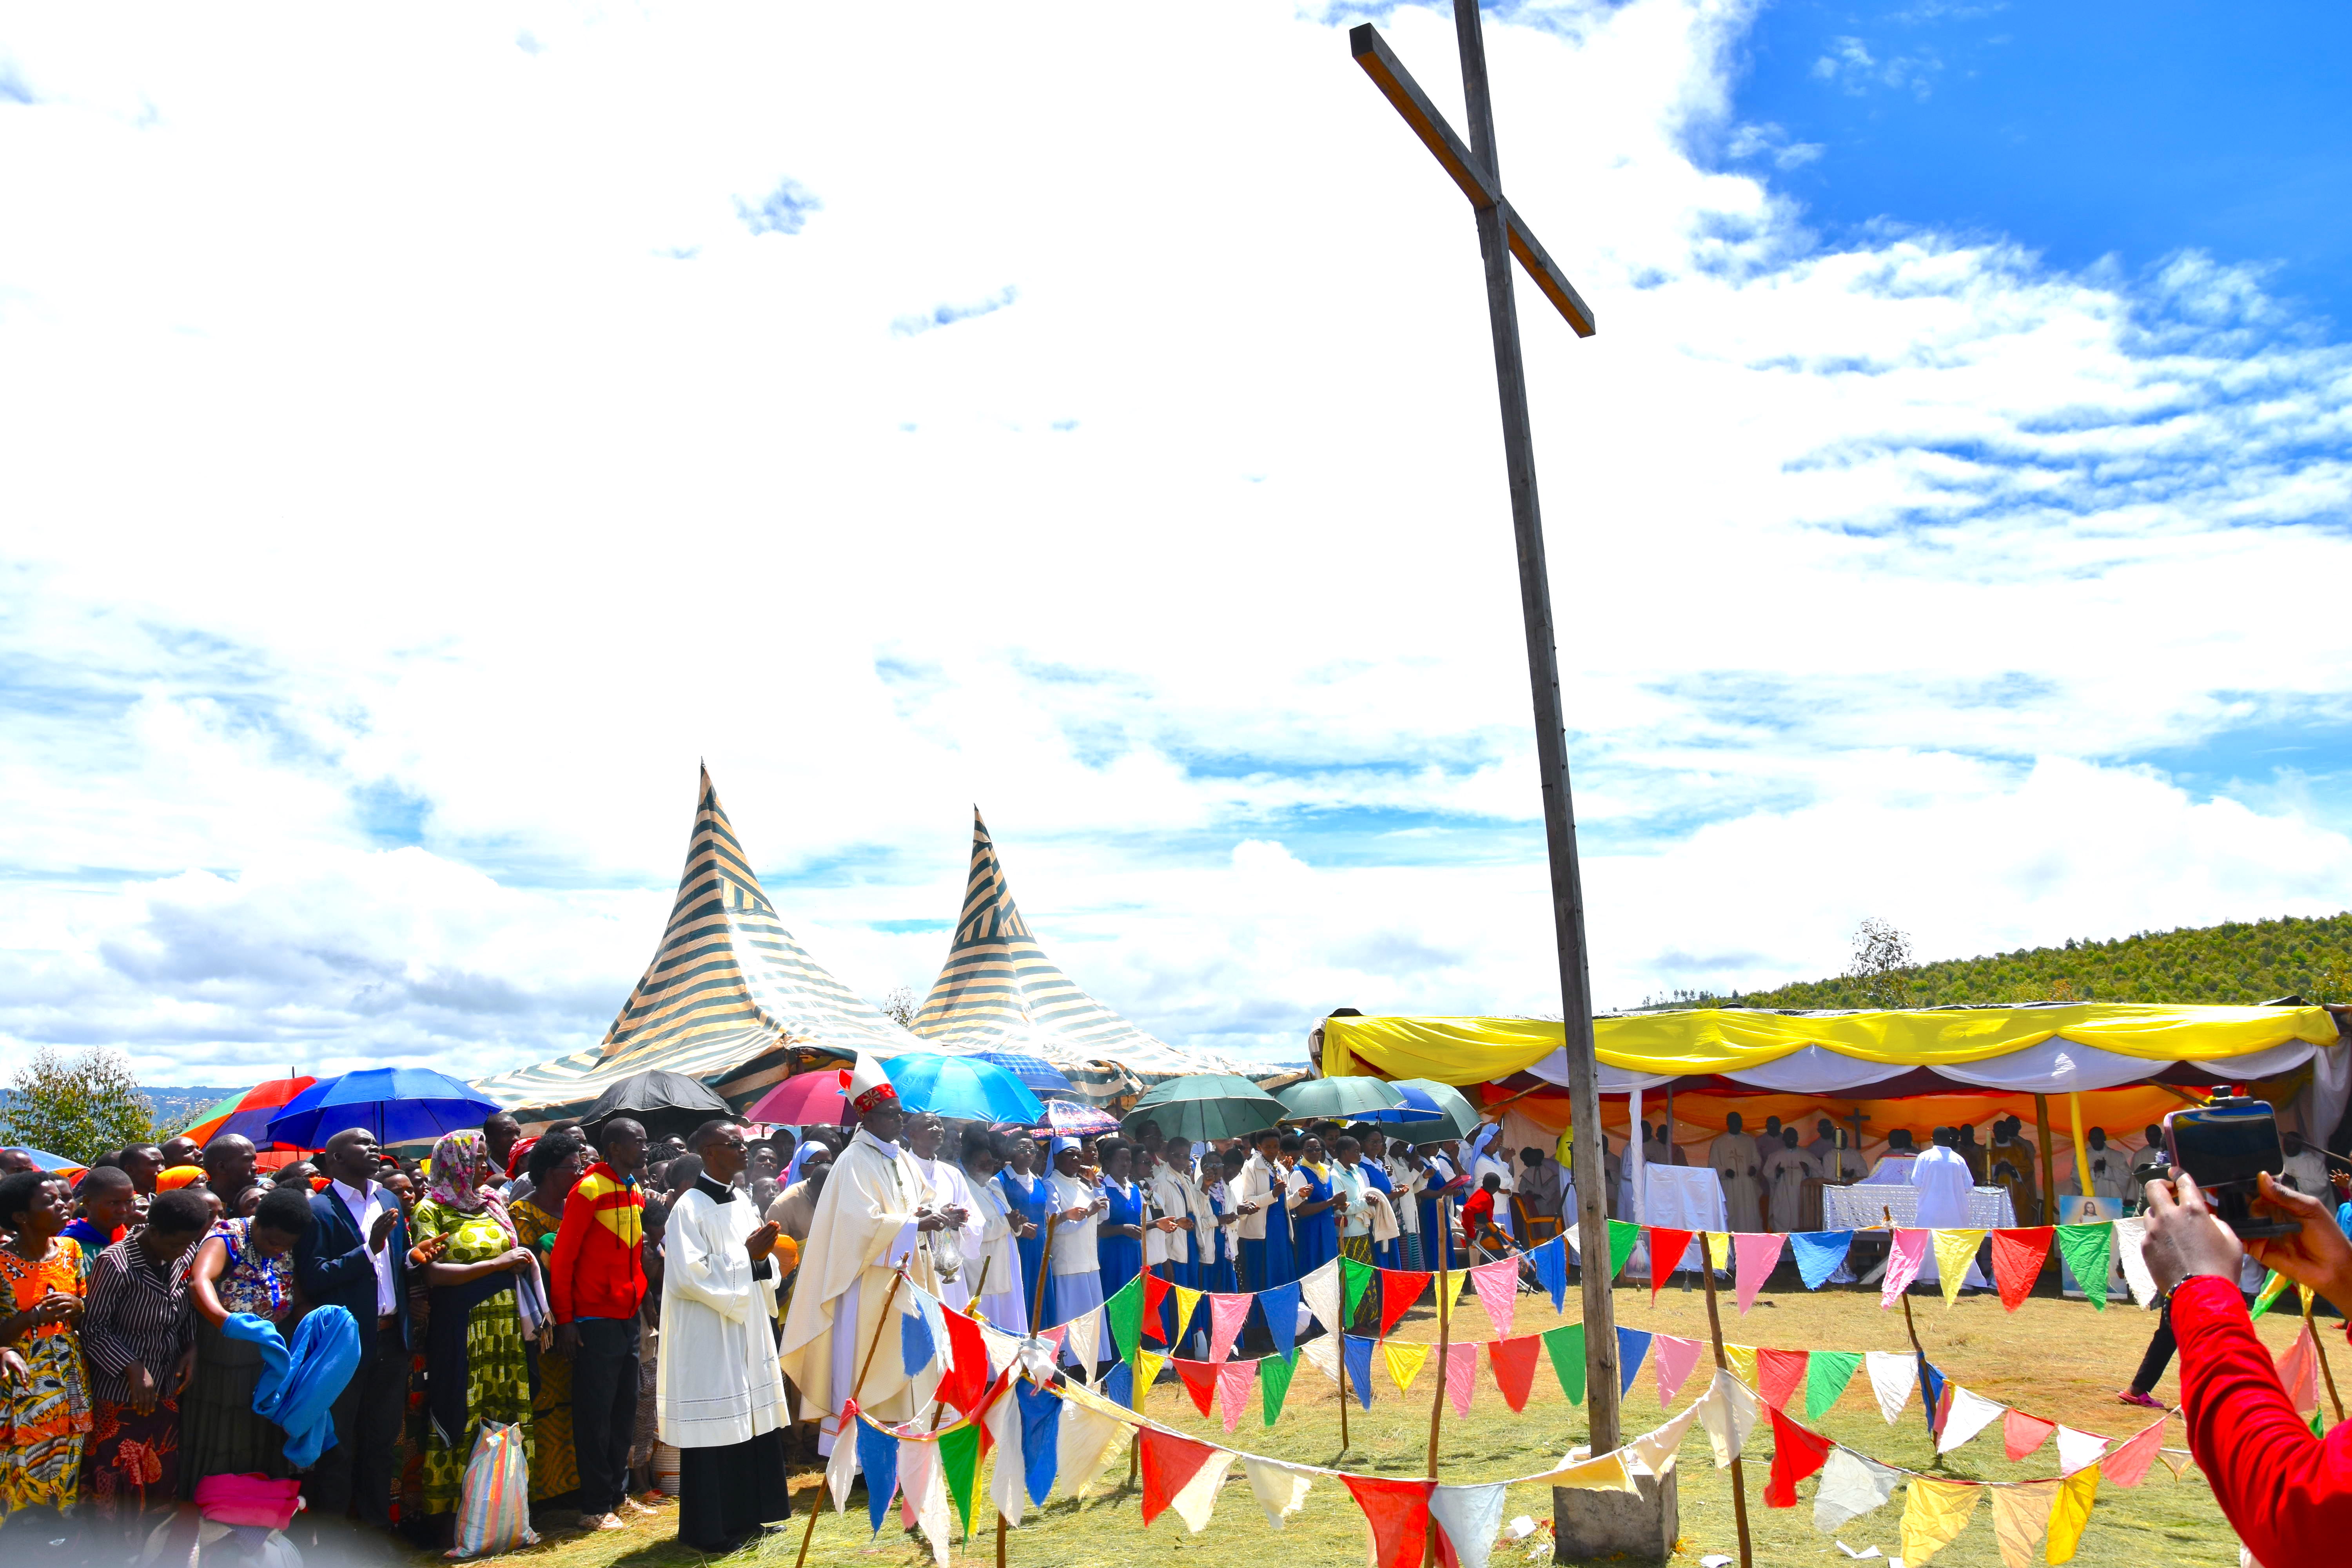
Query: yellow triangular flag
[(1404, 1362), (2070, 1514), (1453, 1279), (1743, 1363), (2308, 1295), (1935, 1514), (1186, 1299), (1956, 1252), (1147, 1373), (1718, 1249)]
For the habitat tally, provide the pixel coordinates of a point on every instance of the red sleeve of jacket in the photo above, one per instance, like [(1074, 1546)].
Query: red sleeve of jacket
[(2286, 1493), (579, 1220)]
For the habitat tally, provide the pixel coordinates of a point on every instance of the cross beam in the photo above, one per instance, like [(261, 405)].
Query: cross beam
[(1501, 238), (1396, 84)]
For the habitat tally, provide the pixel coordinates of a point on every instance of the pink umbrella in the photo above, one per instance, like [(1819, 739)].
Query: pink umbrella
[(805, 1099)]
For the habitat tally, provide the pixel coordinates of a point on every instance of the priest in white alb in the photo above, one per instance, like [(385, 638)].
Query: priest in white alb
[(720, 1399), (866, 1223), (1944, 1183)]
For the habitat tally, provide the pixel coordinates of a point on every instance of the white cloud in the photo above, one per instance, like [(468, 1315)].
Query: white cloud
[(416, 463)]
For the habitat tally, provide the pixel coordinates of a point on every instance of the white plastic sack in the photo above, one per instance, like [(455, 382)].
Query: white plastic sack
[(494, 1500)]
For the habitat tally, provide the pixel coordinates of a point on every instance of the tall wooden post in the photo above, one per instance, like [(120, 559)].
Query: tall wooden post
[(1437, 1398), (1738, 1478)]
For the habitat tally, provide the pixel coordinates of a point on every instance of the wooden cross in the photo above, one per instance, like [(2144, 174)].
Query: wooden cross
[(1502, 236)]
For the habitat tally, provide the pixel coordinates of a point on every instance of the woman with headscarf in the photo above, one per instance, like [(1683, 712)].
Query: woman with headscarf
[(476, 1368), (553, 1164), (1030, 1198)]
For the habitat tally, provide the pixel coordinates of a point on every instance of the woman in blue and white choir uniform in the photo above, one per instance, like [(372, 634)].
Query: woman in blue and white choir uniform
[(1029, 1199), (1119, 1243), (1373, 1168)]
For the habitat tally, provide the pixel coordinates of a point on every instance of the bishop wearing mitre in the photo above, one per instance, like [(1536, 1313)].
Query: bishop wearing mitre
[(875, 1206)]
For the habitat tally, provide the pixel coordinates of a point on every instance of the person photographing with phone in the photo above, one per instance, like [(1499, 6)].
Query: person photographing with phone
[(2286, 1493)]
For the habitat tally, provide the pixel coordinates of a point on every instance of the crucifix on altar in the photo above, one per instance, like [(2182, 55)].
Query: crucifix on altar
[(1586, 1523)]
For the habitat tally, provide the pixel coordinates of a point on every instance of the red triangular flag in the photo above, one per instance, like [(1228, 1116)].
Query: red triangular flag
[(2021, 1433), (1169, 1461), (2017, 1258), (1666, 1249), (1155, 1290), (1796, 1454), (1513, 1363), (1398, 1513), (967, 1381), (1400, 1289), (1200, 1377), (1779, 1373), (2126, 1464)]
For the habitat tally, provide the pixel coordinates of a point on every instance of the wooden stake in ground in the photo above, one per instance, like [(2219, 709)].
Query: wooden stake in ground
[(1437, 1398), (1739, 1478), (1912, 1329), (2326, 1371), (1037, 1311), (849, 1434)]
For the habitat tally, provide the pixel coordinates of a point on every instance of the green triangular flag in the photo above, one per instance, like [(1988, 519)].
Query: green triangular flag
[(1355, 1278), (959, 1458), (2273, 1289), (1623, 1236), (2086, 1248), (1826, 1374), (2316, 1430), (1273, 1383), (1124, 1314), (1566, 1345)]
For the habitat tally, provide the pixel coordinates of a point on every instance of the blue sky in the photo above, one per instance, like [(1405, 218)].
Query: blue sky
[(403, 503)]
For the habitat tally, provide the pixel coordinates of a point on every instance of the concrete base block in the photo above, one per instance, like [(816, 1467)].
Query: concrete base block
[(1631, 1527)]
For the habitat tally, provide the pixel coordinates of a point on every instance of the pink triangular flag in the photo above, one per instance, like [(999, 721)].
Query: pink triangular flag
[(1904, 1257), (2128, 1464), (1758, 1253), (1674, 1357), (1227, 1314), (1234, 1380), (1053, 1336), (1461, 1375), (2298, 1371), (2021, 1433), (1498, 1292)]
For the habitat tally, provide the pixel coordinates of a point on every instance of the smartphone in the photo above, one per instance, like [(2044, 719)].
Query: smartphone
[(2224, 1146)]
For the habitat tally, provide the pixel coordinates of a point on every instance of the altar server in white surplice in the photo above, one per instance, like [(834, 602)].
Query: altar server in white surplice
[(867, 1219), (719, 1398), (1787, 1168), (1942, 1179), (956, 1249), (1739, 1163)]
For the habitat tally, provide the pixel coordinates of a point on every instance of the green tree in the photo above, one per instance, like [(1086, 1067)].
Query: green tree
[(80, 1108)]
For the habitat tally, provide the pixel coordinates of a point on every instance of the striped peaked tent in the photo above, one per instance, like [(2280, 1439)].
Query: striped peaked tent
[(999, 992), (730, 997)]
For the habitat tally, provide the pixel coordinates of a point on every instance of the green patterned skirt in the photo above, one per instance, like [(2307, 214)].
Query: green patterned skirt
[(498, 1389)]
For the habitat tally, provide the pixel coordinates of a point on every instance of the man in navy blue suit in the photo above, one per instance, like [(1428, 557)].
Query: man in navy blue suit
[(355, 1256)]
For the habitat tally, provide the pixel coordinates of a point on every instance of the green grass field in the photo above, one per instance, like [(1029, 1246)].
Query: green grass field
[(2054, 1358)]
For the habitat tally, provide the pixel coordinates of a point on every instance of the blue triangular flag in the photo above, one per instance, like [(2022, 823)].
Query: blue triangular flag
[(1119, 1385), (877, 1455), (1551, 1269), (1280, 1306), (1041, 1432), (1934, 1381), (915, 1342), (1819, 1253), (1633, 1344), (1359, 1368)]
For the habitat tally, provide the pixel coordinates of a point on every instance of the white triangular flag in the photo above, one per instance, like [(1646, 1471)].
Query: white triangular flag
[(1471, 1518), (2077, 1449), (1893, 1375), (1082, 1344), (1197, 1497), (1005, 1487), (1281, 1491), (1323, 1354), (1729, 1413), (841, 1469), (1968, 1414), (923, 1484), (1652, 1453), (2131, 1251), (1320, 1291), (1088, 1439), (1851, 1487)]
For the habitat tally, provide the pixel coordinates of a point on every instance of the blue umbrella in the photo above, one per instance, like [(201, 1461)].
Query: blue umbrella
[(962, 1087), (399, 1105), (1036, 1073)]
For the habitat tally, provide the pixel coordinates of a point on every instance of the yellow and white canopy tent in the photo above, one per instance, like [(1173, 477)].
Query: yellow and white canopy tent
[(1916, 1068), (730, 997), (998, 994)]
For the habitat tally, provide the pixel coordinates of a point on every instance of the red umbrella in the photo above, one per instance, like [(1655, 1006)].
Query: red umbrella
[(248, 1113), (805, 1099)]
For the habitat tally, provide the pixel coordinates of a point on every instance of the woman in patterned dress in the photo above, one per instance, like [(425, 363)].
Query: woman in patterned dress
[(45, 1420), (553, 1164), (241, 1265), (475, 1365)]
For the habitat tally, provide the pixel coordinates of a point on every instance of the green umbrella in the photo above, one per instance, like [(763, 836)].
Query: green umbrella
[(1206, 1105), (1340, 1098), (1457, 1117)]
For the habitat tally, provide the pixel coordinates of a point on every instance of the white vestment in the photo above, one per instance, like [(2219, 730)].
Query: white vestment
[(864, 1225), (1835, 1163), (1734, 1158), (720, 1385), (996, 1268), (944, 1184), (1944, 1184), (1785, 1173)]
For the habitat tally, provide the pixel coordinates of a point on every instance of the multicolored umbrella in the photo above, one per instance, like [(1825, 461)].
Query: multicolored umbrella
[(1076, 1118), (56, 1164), (1038, 1076), (247, 1115)]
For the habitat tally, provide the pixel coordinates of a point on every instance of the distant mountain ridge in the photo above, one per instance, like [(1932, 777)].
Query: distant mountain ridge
[(2239, 963)]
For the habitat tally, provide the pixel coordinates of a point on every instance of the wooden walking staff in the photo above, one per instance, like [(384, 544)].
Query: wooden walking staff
[(2326, 1371), (850, 1435), (1437, 1399), (1715, 1328)]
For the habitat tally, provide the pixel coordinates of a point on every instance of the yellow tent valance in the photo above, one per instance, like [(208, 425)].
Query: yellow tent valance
[(1730, 1039)]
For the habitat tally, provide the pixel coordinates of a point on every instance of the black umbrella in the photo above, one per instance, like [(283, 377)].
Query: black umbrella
[(670, 1104)]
